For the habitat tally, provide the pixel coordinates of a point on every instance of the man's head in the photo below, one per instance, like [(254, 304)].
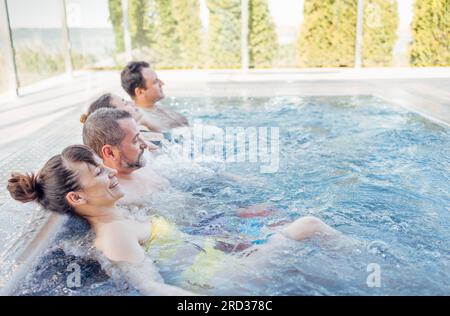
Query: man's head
[(112, 101), (141, 83), (114, 136)]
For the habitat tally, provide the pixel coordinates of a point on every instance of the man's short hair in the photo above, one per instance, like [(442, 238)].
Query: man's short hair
[(131, 76), (101, 128)]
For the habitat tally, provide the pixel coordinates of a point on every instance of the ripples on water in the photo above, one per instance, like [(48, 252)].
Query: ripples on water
[(376, 173)]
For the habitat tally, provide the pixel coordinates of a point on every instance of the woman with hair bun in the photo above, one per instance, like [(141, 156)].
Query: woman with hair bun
[(76, 182)]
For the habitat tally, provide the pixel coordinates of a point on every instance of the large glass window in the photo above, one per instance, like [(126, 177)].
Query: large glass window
[(38, 39), (3, 68), (327, 34), (206, 34), (287, 16), (175, 34), (93, 43), (385, 41), (224, 34)]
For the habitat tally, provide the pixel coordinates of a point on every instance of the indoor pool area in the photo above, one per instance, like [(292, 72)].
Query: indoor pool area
[(224, 155), (376, 171)]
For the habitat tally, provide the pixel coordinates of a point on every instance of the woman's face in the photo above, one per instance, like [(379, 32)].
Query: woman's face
[(124, 105), (100, 186)]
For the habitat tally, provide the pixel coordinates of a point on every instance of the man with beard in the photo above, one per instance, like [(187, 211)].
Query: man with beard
[(114, 135)]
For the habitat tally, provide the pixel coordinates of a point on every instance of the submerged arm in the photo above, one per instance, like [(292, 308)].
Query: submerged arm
[(145, 277), (136, 267)]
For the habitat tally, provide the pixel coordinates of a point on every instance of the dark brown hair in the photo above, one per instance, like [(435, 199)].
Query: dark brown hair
[(52, 183), (131, 76), (103, 101), (101, 128)]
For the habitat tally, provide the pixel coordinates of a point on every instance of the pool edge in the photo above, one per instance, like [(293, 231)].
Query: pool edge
[(26, 259)]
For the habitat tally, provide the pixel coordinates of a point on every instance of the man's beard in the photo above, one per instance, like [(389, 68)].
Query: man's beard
[(139, 163)]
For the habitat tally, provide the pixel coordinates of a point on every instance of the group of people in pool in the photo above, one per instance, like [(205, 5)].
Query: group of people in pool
[(89, 180)]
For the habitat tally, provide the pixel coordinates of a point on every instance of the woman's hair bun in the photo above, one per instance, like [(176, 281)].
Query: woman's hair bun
[(23, 187), (83, 118)]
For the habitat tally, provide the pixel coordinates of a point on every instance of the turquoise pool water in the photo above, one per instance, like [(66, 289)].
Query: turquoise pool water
[(377, 173)]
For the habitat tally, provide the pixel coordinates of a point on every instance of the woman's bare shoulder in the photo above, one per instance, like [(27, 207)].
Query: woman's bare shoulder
[(118, 242)]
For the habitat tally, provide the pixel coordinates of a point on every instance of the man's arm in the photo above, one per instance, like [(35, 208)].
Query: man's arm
[(148, 123), (179, 117)]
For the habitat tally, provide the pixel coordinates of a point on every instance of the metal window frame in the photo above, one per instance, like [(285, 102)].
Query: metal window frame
[(13, 77)]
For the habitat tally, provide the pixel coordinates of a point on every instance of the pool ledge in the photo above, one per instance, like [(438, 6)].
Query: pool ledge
[(26, 259)]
